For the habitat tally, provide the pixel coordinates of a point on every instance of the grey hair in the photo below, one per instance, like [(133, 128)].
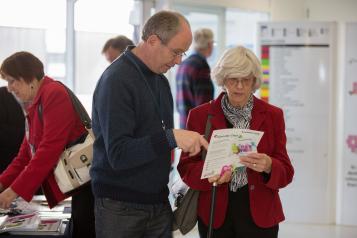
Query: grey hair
[(235, 63), (164, 24), (201, 38)]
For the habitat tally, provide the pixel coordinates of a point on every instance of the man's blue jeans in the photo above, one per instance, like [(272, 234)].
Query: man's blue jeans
[(116, 219)]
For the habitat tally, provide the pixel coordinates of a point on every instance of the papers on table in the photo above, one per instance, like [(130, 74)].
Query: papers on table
[(24, 222), (226, 147), (35, 218), (47, 226)]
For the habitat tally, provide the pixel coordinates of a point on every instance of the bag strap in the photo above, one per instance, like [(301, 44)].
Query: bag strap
[(78, 107), (80, 110), (207, 130)]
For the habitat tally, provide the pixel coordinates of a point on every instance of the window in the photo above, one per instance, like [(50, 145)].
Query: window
[(95, 23), (25, 25), (32, 30), (242, 28)]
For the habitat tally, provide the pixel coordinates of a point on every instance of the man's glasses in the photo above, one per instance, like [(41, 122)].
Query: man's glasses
[(235, 81), (175, 53)]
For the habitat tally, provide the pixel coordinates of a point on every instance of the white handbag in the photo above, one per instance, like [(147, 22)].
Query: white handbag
[(72, 169)]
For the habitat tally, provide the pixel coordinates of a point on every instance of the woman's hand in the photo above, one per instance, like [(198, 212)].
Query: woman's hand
[(6, 198), (219, 179), (257, 161)]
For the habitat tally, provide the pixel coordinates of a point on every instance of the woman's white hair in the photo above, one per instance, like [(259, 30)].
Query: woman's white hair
[(237, 62), (201, 38)]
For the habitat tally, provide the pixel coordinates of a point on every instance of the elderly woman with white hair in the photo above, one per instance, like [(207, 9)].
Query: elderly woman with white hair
[(247, 202)]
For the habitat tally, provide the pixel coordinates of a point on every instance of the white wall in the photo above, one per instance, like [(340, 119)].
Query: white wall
[(287, 10), (256, 5), (317, 10), (334, 10)]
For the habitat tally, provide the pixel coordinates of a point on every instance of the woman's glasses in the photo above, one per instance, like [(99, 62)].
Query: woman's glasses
[(246, 81)]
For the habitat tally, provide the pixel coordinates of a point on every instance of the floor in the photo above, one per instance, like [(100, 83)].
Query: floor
[(288, 230)]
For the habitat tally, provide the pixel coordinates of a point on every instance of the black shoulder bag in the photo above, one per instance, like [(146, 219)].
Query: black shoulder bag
[(185, 215)]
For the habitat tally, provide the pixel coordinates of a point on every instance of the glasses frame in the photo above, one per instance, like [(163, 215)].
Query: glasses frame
[(244, 81), (174, 52)]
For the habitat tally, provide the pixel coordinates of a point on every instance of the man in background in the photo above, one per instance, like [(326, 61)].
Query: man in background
[(115, 46), (193, 82)]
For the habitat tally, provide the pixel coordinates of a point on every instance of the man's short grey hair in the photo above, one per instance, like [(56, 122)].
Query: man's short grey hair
[(164, 24), (236, 63), (202, 38)]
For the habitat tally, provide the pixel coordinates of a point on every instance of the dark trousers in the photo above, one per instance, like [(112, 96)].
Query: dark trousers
[(239, 222), (116, 219), (82, 217)]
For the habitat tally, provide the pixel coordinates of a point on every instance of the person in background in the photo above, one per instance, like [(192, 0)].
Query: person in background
[(193, 81), (12, 127), (47, 134), (133, 126), (115, 46), (247, 202)]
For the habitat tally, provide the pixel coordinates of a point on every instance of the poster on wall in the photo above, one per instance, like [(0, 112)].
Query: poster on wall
[(297, 61), (348, 197)]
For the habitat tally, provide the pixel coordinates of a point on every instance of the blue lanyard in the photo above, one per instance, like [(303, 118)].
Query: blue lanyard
[(157, 104)]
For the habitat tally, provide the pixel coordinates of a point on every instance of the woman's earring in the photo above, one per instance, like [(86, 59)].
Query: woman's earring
[(31, 86)]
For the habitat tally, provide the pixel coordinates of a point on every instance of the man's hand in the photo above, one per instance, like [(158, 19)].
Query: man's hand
[(189, 141)]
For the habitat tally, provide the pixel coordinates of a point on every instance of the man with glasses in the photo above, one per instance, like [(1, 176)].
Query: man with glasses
[(193, 82), (133, 125)]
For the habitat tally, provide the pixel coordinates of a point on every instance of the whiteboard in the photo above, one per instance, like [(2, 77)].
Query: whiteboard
[(297, 64)]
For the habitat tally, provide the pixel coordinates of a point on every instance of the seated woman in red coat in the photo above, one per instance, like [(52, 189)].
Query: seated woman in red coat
[(247, 202), (47, 134)]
